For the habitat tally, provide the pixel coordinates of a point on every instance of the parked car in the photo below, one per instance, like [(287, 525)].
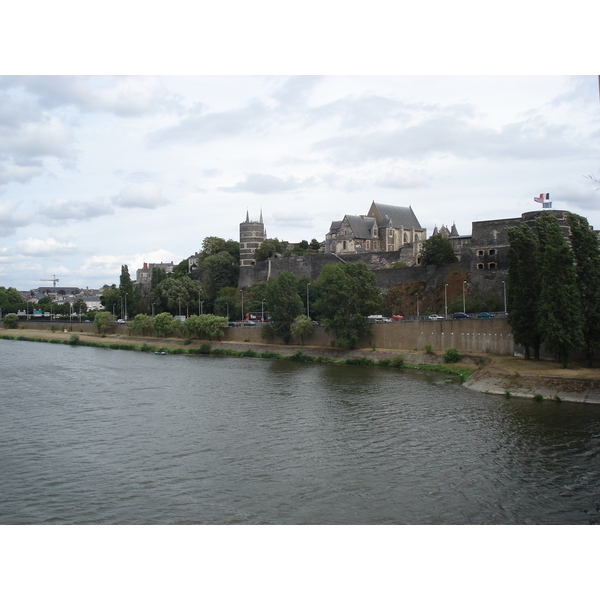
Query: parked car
[(460, 315), (435, 317), (396, 318), (485, 315), (233, 324)]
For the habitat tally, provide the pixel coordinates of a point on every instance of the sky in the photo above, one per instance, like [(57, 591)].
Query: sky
[(99, 168)]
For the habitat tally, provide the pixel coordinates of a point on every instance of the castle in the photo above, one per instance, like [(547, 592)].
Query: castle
[(389, 237)]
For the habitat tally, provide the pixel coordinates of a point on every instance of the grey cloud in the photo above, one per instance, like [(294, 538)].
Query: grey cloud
[(140, 195), (408, 179), (12, 218), (121, 95), (20, 173), (202, 128), (531, 138), (67, 210), (257, 183), (295, 90)]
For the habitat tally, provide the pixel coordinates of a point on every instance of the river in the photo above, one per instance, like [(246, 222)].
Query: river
[(96, 436)]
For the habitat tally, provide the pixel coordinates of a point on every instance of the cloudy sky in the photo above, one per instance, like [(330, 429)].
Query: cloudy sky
[(103, 170)]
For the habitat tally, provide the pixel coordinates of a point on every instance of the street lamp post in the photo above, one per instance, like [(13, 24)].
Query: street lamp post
[(464, 302), (417, 295), (242, 304), (153, 309), (199, 304), (262, 311), (307, 301), (504, 286), (227, 305), (126, 306), (446, 301)]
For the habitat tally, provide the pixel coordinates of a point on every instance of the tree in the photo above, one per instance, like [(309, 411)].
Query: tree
[(584, 244), (164, 324), (212, 326), (141, 323), (301, 328), (111, 299), (177, 295), (79, 307), (315, 245), (283, 303), (437, 250), (10, 321), (103, 321), (348, 294), (264, 251), (523, 289), (560, 314), (219, 271)]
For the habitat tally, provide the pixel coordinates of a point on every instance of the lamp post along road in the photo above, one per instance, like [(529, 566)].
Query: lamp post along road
[(464, 302), (307, 302), (446, 301)]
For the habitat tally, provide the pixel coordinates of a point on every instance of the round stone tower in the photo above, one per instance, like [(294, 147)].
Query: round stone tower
[(252, 235)]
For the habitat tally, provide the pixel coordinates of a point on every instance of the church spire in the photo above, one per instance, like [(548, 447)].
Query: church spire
[(247, 216)]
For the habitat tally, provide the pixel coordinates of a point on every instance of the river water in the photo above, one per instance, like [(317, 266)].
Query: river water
[(101, 436)]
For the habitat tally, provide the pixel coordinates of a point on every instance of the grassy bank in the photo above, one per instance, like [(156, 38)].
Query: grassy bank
[(168, 346)]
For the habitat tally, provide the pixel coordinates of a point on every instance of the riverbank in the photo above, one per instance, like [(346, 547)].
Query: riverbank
[(491, 374)]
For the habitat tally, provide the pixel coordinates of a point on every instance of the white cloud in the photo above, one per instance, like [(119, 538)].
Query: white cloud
[(140, 195), (47, 247), (66, 210), (258, 183)]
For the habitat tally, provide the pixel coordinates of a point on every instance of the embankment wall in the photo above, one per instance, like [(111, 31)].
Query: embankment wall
[(473, 336)]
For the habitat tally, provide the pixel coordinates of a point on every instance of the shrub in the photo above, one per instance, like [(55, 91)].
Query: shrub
[(11, 321), (507, 394), (429, 348), (452, 355), (359, 361), (74, 339), (52, 328), (384, 362), (204, 348), (538, 397), (397, 361)]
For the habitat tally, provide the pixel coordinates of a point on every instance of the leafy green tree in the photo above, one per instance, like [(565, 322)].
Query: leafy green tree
[(103, 321), (315, 245), (164, 324), (348, 294), (10, 321), (212, 326), (437, 250), (584, 244), (175, 295), (303, 245), (301, 328), (283, 303), (111, 300), (141, 324), (182, 269), (264, 251), (560, 313), (191, 326), (219, 271), (523, 289), (227, 303), (79, 307)]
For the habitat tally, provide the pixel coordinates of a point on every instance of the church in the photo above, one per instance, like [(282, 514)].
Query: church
[(385, 228)]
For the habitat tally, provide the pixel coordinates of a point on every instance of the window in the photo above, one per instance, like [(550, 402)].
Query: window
[(479, 252), (492, 251), (343, 245), (491, 265), (480, 265), (405, 238)]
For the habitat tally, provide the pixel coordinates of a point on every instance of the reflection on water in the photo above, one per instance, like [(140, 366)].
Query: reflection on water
[(97, 436)]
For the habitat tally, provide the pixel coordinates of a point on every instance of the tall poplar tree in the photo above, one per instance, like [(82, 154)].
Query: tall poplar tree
[(283, 303), (560, 312), (347, 294), (584, 244), (523, 289)]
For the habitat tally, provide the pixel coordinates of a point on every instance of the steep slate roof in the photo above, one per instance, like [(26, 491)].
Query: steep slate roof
[(401, 216), (335, 226), (361, 228)]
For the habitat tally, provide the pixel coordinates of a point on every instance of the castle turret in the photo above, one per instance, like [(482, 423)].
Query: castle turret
[(252, 235)]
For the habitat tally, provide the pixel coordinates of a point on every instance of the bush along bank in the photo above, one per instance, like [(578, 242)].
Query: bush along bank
[(205, 348)]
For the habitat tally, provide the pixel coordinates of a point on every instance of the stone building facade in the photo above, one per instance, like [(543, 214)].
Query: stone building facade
[(385, 228)]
